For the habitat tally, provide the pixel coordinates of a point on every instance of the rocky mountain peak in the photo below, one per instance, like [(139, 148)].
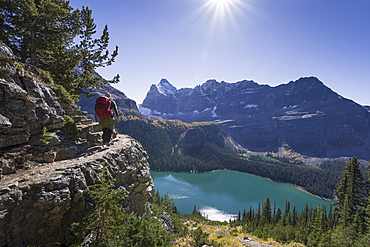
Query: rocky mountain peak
[(165, 87), (211, 85), (304, 114), (311, 81), (308, 85)]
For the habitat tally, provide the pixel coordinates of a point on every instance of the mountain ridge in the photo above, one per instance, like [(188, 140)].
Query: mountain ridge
[(304, 114)]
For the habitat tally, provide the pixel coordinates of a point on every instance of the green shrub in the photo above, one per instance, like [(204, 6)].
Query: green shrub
[(110, 226), (45, 76), (45, 136), (70, 128), (63, 95), (18, 66)]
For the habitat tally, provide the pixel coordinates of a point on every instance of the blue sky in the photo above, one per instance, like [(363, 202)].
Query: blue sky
[(269, 41)]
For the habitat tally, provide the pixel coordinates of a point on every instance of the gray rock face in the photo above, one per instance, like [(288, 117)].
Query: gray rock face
[(31, 118), (38, 207), (27, 105), (44, 178), (305, 115), (6, 52)]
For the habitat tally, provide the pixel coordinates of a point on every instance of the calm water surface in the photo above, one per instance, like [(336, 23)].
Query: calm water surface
[(220, 195)]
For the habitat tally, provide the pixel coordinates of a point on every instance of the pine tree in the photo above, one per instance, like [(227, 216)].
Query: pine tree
[(266, 211), (42, 33), (350, 192), (277, 216), (294, 216), (108, 214), (287, 214), (33, 27), (306, 215), (93, 52), (319, 225)]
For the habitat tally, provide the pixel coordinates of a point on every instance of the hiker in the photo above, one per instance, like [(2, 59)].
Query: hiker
[(105, 108)]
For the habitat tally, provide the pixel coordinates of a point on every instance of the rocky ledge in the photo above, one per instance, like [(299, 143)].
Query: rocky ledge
[(38, 205), (44, 172)]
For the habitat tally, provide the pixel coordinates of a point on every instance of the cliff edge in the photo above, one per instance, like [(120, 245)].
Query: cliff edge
[(44, 173), (38, 205)]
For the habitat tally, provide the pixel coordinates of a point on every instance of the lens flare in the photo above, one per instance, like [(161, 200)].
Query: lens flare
[(220, 14), (222, 9), (221, 2)]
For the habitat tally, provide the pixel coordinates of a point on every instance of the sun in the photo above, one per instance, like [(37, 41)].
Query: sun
[(221, 3), (219, 11), (222, 9), (219, 16)]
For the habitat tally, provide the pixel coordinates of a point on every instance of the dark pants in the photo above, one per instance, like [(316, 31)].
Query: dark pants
[(107, 135)]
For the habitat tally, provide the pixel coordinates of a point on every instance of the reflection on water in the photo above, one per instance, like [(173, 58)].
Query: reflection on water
[(215, 214), (178, 196)]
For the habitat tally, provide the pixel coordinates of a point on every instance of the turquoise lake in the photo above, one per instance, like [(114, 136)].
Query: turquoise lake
[(220, 195)]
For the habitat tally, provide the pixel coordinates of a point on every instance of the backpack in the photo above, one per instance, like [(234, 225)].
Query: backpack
[(102, 107)]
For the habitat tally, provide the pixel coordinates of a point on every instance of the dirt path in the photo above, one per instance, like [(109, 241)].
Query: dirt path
[(41, 171)]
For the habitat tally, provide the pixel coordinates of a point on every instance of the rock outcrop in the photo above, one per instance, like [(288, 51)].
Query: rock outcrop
[(26, 104), (44, 174), (305, 115), (32, 120), (38, 205)]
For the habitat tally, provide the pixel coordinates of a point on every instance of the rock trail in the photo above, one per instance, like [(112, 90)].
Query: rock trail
[(41, 171)]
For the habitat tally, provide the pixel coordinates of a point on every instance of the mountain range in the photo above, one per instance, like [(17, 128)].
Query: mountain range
[(303, 115)]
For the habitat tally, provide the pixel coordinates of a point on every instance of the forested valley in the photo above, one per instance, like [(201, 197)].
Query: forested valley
[(160, 138)]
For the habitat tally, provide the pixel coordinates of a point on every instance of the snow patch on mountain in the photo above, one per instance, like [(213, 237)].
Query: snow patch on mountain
[(166, 88), (290, 107), (145, 111), (250, 106), (214, 114)]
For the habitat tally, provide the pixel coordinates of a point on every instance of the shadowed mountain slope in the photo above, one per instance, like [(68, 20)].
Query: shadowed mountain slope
[(304, 115)]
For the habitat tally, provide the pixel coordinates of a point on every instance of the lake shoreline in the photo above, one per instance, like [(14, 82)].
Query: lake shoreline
[(305, 191), (228, 192), (296, 186)]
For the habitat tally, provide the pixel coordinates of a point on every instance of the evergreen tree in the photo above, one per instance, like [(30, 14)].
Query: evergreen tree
[(350, 192), (42, 33), (287, 214), (32, 28), (294, 216), (306, 215), (108, 214), (93, 52), (266, 211), (359, 221), (332, 218), (319, 225), (258, 215), (278, 214)]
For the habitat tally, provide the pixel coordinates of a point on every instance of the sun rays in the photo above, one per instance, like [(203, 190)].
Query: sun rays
[(221, 3), (220, 15)]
